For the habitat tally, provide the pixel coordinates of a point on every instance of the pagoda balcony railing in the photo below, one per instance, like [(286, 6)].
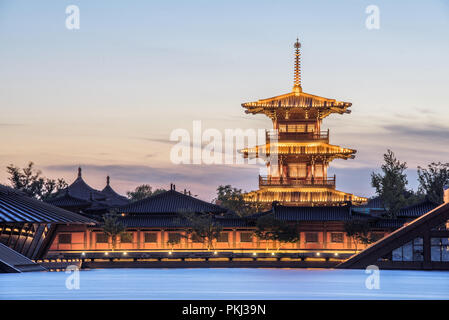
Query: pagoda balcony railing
[(297, 136), (290, 181)]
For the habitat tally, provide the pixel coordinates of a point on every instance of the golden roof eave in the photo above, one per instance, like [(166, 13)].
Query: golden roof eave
[(325, 149), (297, 100)]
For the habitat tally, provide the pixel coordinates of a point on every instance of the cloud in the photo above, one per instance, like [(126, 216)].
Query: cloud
[(424, 132)]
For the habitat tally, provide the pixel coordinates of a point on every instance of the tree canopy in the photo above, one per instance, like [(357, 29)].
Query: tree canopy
[(143, 191), (30, 181), (391, 184), (432, 181), (232, 199), (113, 227), (359, 231), (270, 228), (203, 226)]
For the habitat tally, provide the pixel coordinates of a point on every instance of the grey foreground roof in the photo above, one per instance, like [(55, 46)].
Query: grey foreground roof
[(16, 207)]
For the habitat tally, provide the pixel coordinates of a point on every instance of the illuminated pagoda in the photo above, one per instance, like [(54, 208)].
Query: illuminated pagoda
[(297, 152)]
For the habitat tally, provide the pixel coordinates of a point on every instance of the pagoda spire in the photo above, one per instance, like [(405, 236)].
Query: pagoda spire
[(79, 172), (108, 180), (297, 75)]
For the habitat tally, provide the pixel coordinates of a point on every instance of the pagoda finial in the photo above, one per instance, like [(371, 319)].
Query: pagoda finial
[(107, 180), (79, 172), (297, 77)]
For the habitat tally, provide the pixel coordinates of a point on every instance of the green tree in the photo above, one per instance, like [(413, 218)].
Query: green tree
[(359, 231), (391, 184), (269, 228), (30, 181), (432, 180), (232, 199), (143, 191), (174, 240), (113, 227), (203, 226)]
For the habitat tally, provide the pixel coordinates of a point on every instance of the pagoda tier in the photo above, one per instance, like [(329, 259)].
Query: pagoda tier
[(297, 105), (297, 152), (304, 150), (315, 196)]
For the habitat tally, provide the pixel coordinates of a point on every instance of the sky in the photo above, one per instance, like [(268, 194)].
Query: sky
[(106, 97)]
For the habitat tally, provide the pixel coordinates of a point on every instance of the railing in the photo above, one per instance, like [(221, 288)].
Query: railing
[(289, 181), (297, 136)]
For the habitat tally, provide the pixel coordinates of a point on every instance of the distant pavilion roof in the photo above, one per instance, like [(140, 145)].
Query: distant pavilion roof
[(80, 195), (113, 198), (81, 190), (16, 207), (171, 202)]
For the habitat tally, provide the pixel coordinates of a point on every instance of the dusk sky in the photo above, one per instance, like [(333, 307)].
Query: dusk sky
[(107, 96)]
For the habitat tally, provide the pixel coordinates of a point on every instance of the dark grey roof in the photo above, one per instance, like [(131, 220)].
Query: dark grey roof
[(389, 223), (80, 195), (334, 213), (113, 199), (417, 210), (81, 190), (16, 207), (65, 199), (373, 203), (171, 202)]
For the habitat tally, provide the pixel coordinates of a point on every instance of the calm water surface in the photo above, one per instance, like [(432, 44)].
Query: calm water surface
[(225, 284)]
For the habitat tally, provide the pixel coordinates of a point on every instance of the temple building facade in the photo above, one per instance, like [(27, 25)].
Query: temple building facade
[(297, 151)]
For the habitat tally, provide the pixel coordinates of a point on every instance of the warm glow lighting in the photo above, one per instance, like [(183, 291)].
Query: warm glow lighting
[(255, 254), (83, 253), (106, 253), (215, 252), (169, 252), (272, 253), (336, 254), (318, 254), (125, 253)]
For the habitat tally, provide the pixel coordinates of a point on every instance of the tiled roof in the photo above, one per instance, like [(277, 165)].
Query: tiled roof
[(417, 209), (113, 199), (16, 207), (171, 202), (373, 203), (66, 200), (334, 213), (81, 190), (80, 195), (389, 223)]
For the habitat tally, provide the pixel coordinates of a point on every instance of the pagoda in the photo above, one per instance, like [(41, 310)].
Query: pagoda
[(297, 151)]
